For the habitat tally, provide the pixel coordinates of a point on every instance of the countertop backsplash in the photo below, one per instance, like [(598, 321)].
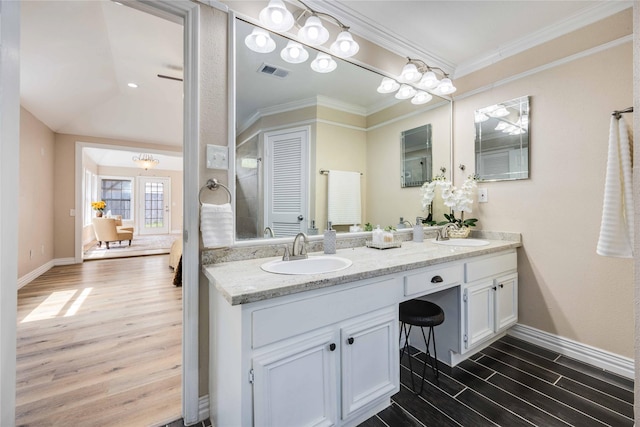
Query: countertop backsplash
[(263, 249)]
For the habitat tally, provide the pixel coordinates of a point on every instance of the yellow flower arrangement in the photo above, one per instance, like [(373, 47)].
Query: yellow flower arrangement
[(99, 206)]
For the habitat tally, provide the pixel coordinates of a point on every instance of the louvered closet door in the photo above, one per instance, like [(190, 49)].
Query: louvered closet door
[(286, 181)]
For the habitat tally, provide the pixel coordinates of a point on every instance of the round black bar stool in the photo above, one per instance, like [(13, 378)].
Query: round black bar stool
[(423, 314)]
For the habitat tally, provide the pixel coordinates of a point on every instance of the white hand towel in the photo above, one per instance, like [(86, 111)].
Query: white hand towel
[(616, 228), (216, 225), (343, 198)]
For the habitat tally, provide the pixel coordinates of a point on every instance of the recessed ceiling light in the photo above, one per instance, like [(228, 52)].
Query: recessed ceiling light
[(133, 85)]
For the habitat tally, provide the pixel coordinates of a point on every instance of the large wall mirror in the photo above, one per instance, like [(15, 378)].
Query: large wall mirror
[(294, 126), (502, 140)]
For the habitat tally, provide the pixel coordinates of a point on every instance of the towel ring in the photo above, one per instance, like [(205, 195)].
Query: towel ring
[(213, 184)]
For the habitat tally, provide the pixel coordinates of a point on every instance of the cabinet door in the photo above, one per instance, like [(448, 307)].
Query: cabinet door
[(506, 301), (369, 360), (296, 385), (479, 300)]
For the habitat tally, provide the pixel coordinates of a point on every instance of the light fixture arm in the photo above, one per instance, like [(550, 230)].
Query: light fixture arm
[(316, 13), (423, 66)]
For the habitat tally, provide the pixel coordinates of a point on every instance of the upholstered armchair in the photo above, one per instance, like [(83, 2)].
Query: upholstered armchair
[(107, 231)]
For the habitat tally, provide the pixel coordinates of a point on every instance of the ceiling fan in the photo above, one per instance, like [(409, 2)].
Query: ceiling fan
[(164, 76)]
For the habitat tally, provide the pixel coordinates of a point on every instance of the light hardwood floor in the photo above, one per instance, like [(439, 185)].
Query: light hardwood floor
[(99, 344)]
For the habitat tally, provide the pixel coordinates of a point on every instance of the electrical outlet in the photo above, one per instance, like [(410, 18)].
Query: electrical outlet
[(483, 195), (72, 212)]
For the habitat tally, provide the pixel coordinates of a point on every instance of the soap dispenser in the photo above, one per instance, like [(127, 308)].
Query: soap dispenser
[(312, 231), (376, 235), (418, 230), (329, 240)]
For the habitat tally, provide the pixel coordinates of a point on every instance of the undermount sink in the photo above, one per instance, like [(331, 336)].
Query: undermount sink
[(462, 242), (311, 265)]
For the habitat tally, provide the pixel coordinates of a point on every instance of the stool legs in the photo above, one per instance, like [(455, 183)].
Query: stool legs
[(433, 362)]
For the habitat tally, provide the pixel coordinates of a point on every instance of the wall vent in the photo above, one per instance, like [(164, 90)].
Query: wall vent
[(272, 70)]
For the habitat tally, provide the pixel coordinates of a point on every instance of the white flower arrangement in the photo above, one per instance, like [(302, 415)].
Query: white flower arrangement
[(458, 199)]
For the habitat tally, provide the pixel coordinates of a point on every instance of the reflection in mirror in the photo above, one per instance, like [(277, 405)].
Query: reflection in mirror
[(292, 122), (502, 140), (416, 156)]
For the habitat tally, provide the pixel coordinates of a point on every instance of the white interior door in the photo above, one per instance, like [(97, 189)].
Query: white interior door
[(154, 201), (287, 181)]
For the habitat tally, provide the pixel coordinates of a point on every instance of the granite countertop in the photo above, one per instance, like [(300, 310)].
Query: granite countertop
[(242, 282)]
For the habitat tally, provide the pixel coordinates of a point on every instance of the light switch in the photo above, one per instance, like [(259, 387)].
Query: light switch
[(72, 212), (217, 157)]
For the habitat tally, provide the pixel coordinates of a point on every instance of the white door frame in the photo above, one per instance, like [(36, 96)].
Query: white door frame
[(140, 204), (188, 13), (9, 174)]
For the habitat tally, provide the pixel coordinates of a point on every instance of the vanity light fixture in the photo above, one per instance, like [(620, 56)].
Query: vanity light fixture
[(405, 92), (388, 85), (421, 97), (260, 41), (276, 17), (418, 78), (313, 33), (294, 53), (323, 63)]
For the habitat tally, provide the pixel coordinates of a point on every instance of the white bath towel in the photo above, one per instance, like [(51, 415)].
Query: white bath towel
[(343, 198), (616, 228), (216, 225)]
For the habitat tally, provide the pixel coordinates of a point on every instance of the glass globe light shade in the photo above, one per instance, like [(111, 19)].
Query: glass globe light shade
[(405, 92), (410, 74), (294, 53), (313, 33), (429, 80), (388, 85), (446, 87), (323, 63), (276, 17), (502, 126), (480, 117), (500, 112), (421, 97), (260, 41), (344, 46)]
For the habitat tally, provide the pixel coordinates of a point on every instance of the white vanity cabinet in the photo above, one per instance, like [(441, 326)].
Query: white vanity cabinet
[(328, 374), (489, 299), (324, 350)]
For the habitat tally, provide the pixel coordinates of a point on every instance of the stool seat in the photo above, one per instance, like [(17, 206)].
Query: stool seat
[(421, 313)]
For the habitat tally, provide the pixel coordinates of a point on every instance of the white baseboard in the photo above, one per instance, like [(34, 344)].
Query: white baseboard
[(34, 274), (585, 353)]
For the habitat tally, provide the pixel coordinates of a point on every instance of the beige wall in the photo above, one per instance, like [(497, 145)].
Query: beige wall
[(36, 196), (386, 200), (64, 185), (565, 288)]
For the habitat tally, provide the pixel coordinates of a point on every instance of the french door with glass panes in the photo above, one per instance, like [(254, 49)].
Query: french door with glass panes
[(154, 202)]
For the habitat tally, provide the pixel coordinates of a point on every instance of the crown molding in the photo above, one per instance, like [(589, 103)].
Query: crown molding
[(586, 17), (382, 36), (386, 38)]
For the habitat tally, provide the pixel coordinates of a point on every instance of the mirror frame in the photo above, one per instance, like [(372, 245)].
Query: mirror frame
[(518, 174), (232, 135)]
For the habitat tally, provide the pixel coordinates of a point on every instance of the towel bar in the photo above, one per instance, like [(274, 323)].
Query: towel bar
[(213, 184)]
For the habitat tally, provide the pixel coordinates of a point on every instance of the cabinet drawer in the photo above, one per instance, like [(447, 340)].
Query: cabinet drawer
[(481, 269), (423, 282), (292, 318)]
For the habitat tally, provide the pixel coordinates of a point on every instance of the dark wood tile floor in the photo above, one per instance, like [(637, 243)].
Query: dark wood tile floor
[(511, 383)]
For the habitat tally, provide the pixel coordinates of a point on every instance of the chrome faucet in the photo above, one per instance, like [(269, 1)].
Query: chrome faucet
[(268, 230), (443, 234), (299, 250)]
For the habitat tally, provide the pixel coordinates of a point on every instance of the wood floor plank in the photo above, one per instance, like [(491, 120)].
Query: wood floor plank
[(425, 413), (599, 373), (616, 405), (522, 365), (395, 416), (109, 356), (446, 404), (570, 400), (542, 352), (565, 371)]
